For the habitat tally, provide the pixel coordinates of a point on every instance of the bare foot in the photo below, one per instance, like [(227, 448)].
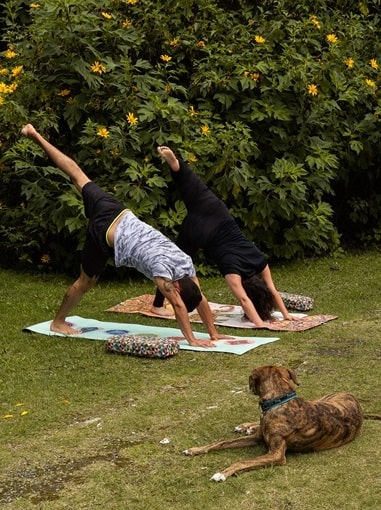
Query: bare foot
[(28, 130), (167, 154), (64, 328), (164, 312)]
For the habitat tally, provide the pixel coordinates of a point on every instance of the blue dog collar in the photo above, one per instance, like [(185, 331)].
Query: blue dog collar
[(268, 405)]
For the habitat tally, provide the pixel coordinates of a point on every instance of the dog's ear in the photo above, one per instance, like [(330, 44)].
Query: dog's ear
[(253, 381), (292, 376)]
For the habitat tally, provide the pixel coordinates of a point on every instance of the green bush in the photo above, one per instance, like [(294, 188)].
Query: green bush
[(276, 106)]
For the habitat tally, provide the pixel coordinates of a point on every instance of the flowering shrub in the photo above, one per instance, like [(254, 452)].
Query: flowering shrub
[(277, 108)]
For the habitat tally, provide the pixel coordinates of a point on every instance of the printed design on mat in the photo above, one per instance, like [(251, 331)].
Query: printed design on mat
[(232, 315), (149, 337)]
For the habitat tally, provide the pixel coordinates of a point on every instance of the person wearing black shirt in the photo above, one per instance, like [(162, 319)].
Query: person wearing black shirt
[(209, 226)]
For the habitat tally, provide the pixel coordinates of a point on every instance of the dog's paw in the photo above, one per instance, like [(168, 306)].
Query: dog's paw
[(190, 452), (218, 477), (196, 450), (243, 429)]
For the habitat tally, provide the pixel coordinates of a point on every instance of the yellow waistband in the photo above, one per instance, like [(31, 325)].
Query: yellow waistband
[(113, 223)]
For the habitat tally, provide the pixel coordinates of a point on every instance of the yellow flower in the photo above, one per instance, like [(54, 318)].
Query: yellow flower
[(373, 63), (255, 76), (3, 71), (370, 83), (315, 22), (34, 6), (259, 39), (126, 23), (132, 1), (23, 413), (200, 44), (7, 416), (131, 119), (349, 62), (12, 87), (103, 132), (16, 71), (205, 129), (174, 42), (168, 88), (97, 67), (45, 259), (3, 88), (192, 159), (10, 53), (312, 89), (331, 38), (192, 111), (19, 404), (165, 58), (64, 92), (107, 15), (2, 101)]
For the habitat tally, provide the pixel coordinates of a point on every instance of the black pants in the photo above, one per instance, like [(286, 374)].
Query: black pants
[(205, 215), (206, 212)]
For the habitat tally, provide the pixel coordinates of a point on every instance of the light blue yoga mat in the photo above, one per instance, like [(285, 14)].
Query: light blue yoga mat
[(99, 330)]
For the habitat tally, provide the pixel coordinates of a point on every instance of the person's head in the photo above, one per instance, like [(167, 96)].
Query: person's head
[(260, 295), (190, 293)]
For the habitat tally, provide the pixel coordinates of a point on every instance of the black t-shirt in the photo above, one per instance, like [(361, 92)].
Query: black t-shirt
[(234, 253)]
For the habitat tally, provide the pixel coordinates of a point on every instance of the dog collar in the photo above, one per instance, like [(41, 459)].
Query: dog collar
[(268, 405)]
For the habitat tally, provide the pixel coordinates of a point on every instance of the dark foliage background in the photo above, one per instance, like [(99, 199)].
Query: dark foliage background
[(276, 104)]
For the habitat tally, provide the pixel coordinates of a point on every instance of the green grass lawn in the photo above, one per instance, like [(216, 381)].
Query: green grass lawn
[(84, 427)]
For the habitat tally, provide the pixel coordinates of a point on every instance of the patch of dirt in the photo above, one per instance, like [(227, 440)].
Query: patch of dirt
[(43, 483)]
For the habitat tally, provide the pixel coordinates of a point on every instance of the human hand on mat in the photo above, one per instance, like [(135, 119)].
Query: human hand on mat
[(220, 336), (64, 328), (201, 343), (289, 317)]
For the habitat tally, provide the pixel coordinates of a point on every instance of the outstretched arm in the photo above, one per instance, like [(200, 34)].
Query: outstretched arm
[(266, 275), (235, 283), (169, 291), (71, 298), (206, 316)]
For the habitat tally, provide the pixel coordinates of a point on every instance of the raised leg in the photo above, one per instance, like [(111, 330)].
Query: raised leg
[(169, 157), (63, 162)]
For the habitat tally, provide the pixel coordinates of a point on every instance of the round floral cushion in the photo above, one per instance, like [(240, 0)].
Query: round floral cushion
[(297, 302), (143, 346)]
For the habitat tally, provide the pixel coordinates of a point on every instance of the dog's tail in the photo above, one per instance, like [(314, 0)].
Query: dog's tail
[(372, 416)]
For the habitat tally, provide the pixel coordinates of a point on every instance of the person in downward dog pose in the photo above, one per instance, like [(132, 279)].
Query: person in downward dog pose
[(210, 226), (114, 231)]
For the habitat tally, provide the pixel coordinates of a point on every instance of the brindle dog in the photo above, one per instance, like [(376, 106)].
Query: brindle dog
[(289, 422)]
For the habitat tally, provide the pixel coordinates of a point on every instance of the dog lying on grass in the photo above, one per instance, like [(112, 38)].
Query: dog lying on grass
[(289, 422)]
